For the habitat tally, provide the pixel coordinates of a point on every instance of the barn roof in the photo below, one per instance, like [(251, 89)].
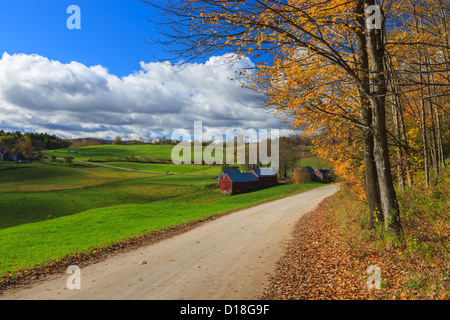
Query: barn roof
[(264, 172), (308, 169), (231, 171), (324, 171), (242, 177)]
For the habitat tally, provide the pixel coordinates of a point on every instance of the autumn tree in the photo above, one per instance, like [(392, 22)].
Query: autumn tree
[(289, 153), (29, 142), (332, 66), (25, 145), (419, 72), (117, 140)]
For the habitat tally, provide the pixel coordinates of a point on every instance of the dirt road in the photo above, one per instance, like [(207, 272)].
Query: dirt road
[(227, 258)]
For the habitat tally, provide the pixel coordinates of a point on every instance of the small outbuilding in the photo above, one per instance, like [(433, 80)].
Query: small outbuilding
[(267, 177), (11, 156), (323, 175), (307, 170), (307, 173)]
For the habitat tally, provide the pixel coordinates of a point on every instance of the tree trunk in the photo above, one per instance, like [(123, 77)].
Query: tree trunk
[(389, 204), (435, 110), (371, 177), (440, 144), (433, 137), (404, 167), (371, 181), (400, 164), (423, 131), (423, 118), (409, 178)]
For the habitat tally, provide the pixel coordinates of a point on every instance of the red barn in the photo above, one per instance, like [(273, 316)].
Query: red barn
[(235, 183), (324, 175)]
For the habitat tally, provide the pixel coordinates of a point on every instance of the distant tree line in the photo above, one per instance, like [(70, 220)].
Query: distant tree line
[(84, 142), (29, 142)]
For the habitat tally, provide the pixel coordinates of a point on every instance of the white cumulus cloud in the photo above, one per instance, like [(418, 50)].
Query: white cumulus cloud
[(73, 100)]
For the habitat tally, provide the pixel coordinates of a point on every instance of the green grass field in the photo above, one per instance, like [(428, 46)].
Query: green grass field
[(59, 177), (50, 210), (171, 168), (115, 152)]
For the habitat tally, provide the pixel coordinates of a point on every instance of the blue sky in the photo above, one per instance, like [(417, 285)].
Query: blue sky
[(113, 32), (104, 80)]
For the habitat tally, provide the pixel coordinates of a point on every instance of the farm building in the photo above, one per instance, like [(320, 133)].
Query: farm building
[(306, 174), (227, 171), (307, 170), (267, 177), (323, 175), (11, 156), (235, 182), (319, 175)]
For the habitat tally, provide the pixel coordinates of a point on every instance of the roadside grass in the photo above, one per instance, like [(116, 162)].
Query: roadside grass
[(418, 267), (36, 244)]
